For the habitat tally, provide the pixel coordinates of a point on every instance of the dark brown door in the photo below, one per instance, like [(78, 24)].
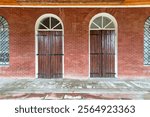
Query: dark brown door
[(102, 53), (50, 54)]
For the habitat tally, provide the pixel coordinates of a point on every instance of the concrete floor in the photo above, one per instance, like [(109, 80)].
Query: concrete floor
[(74, 89)]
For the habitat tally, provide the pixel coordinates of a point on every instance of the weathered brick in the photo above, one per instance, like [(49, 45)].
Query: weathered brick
[(76, 30)]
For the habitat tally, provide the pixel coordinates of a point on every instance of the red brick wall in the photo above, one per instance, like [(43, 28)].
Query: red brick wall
[(76, 23)]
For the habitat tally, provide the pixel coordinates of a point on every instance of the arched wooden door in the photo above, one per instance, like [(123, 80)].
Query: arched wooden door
[(50, 48), (102, 48)]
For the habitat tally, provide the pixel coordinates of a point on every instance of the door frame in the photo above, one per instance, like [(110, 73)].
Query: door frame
[(36, 41), (116, 40)]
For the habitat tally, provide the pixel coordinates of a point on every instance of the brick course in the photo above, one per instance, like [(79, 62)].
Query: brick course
[(76, 33)]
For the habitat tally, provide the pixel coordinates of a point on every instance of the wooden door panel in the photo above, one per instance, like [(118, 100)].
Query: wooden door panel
[(50, 53), (102, 53), (95, 51)]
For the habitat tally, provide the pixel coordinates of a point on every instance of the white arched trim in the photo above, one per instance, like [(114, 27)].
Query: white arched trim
[(116, 38), (36, 42)]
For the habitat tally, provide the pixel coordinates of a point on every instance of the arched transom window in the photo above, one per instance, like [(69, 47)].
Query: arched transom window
[(102, 23), (4, 41), (147, 42), (50, 24)]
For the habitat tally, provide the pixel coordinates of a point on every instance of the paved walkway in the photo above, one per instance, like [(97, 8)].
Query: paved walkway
[(74, 89)]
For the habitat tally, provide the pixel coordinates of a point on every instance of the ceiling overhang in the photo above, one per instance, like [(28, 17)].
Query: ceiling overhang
[(74, 2), (69, 1)]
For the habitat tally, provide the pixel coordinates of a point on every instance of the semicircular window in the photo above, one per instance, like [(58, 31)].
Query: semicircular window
[(50, 24), (147, 42), (4, 41), (102, 23)]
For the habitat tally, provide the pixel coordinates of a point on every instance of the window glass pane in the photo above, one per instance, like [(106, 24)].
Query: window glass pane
[(54, 22), (93, 26), (41, 27), (58, 27), (98, 21), (111, 25), (106, 21), (147, 42), (45, 22), (4, 42)]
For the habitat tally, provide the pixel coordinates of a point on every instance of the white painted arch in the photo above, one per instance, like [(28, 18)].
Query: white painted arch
[(36, 39), (116, 37)]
